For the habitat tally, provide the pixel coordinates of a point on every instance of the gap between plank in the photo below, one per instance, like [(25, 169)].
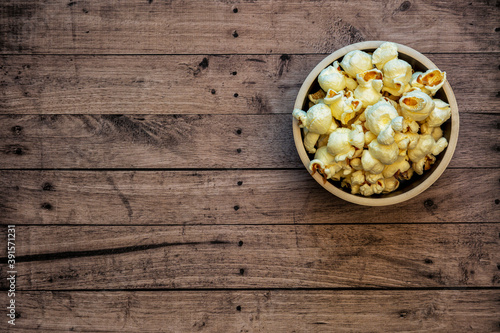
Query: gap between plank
[(204, 54), (263, 289), (195, 169)]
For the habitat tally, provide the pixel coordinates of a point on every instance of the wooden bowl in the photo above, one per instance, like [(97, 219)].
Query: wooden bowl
[(417, 184)]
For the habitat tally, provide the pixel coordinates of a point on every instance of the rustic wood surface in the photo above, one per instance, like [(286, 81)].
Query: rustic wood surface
[(189, 141), (228, 197), (258, 26), (296, 256), (261, 311), (198, 84), (147, 161)]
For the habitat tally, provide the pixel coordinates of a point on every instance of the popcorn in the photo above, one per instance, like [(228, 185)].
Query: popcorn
[(425, 146), (369, 86), (356, 62), (385, 52), (372, 178), (397, 76), (332, 78), (300, 116), (423, 164), (358, 178), (429, 82), (357, 137), (317, 97), (324, 163), (342, 105), (373, 124), (310, 140), (339, 146), (382, 119), (401, 165), (319, 118), (416, 105), (440, 113), (386, 154), (370, 163), (391, 184)]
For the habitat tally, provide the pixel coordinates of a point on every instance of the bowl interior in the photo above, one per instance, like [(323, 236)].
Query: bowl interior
[(416, 180)]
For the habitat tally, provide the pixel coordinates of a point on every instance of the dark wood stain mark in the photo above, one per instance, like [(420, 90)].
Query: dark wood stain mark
[(14, 149), (195, 71), (104, 252), (46, 206), (436, 276), (16, 130), (259, 104), (72, 3), (404, 313), (48, 187), (137, 130), (122, 197), (255, 60), (404, 6), (204, 63), (283, 64)]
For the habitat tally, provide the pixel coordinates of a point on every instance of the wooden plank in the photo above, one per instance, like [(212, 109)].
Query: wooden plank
[(188, 141), (198, 84), (259, 311), (296, 256), (228, 197), (194, 27)]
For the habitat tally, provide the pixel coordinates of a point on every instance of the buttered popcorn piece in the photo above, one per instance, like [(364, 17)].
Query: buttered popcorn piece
[(384, 53), (310, 140), (382, 126), (357, 177), (324, 163), (440, 113), (356, 62), (430, 81), (370, 163), (332, 78), (416, 105), (397, 76), (319, 118), (339, 146), (424, 164), (300, 116), (427, 145), (343, 106), (386, 154), (382, 119), (391, 184), (400, 165), (369, 87), (317, 97)]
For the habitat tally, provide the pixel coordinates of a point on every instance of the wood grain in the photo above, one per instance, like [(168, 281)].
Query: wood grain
[(228, 197), (297, 256), (259, 311), (198, 84), (200, 27), (188, 141)]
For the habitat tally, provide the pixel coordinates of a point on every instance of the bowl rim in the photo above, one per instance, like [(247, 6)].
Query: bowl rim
[(367, 201)]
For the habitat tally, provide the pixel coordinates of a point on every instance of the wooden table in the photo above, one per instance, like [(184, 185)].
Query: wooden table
[(148, 165)]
